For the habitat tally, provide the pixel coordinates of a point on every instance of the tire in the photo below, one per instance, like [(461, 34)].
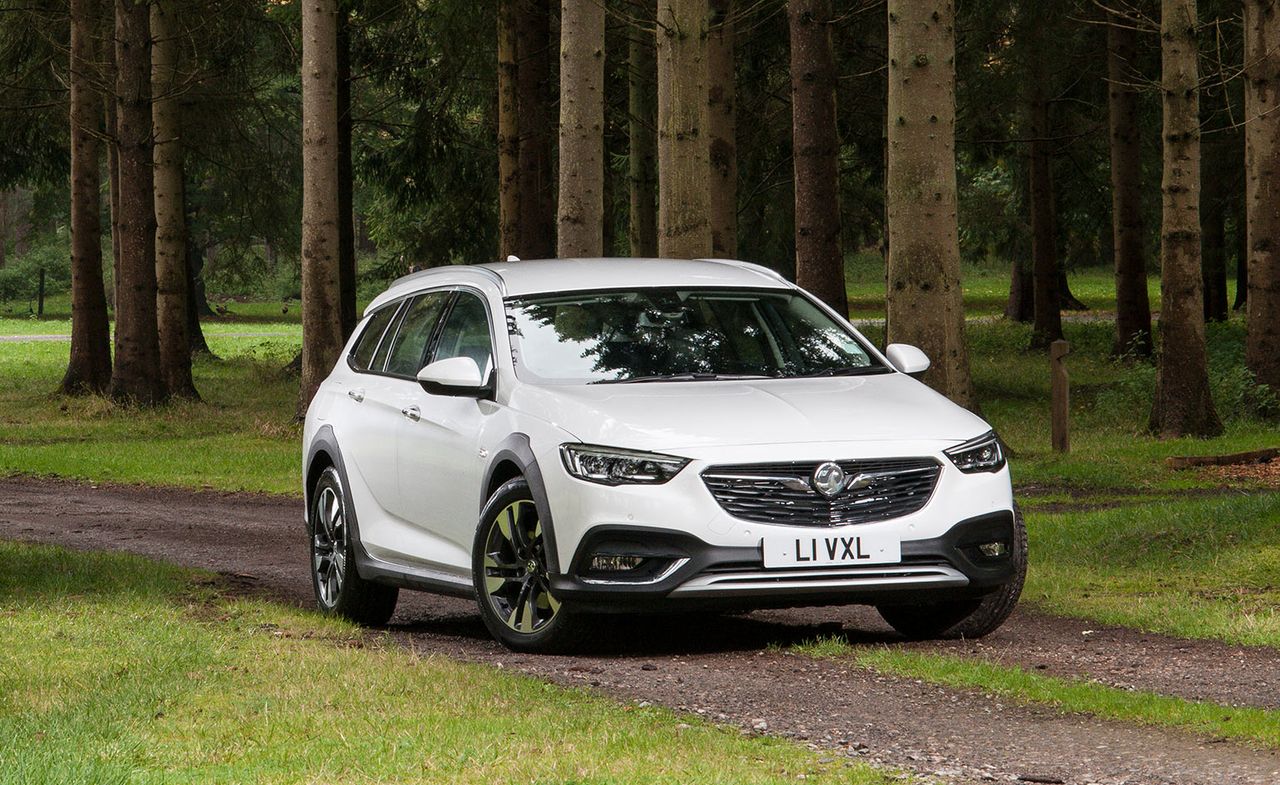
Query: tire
[(512, 583), (338, 587), (968, 618)]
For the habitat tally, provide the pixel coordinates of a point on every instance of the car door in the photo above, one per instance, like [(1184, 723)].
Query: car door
[(369, 426), (439, 453)]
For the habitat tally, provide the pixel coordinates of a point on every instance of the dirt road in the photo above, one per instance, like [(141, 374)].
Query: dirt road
[(722, 670)]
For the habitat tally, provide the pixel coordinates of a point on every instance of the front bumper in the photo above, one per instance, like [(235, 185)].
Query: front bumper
[(693, 574)]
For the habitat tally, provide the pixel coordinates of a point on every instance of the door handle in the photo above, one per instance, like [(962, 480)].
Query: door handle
[(356, 395), (412, 413)]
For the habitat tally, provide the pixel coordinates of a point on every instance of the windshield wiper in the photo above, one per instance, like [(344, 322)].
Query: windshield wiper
[(681, 377), (856, 370)]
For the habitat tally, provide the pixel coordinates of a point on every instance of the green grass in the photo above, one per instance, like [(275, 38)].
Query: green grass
[(1199, 568), (241, 437), (114, 669), (1258, 726)]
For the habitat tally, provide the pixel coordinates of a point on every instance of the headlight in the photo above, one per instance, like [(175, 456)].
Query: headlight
[(614, 466), (983, 454)]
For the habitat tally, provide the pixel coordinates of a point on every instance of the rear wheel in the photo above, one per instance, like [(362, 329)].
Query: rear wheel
[(965, 618), (338, 586), (512, 582)]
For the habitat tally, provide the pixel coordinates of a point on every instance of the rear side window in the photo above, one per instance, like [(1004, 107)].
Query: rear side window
[(410, 343), (362, 354)]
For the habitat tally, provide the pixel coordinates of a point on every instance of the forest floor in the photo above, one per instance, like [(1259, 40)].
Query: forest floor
[(1189, 710)]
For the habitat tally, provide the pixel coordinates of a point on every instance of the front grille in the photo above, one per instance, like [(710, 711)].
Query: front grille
[(781, 492)]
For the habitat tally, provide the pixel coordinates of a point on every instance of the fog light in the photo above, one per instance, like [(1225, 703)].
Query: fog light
[(611, 562), (993, 550)]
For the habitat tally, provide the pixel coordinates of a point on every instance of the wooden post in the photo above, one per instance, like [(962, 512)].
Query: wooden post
[(1061, 394), (40, 295)]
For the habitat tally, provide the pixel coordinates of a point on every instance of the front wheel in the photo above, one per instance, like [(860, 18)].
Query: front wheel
[(965, 618), (512, 582), (339, 588)]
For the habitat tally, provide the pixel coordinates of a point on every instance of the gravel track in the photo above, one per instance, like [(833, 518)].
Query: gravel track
[(720, 668)]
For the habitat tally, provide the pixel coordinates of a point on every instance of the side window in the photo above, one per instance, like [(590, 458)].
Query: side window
[(466, 333), (410, 343), (362, 354)]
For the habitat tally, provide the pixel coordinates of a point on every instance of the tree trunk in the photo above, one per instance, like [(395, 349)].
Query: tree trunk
[(1183, 404), (508, 132), (537, 187), (722, 122), (1067, 301), (321, 281), (1242, 251), (136, 377), (1047, 319), (1133, 307), (580, 220), (1021, 304), (89, 369), (113, 185), (1262, 160), (924, 297), (684, 191), (1213, 260), (346, 182), (170, 205), (4, 224), (196, 303), (819, 263), (642, 164)]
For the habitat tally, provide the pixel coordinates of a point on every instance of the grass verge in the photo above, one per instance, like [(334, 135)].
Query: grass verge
[(1257, 726), (117, 669)]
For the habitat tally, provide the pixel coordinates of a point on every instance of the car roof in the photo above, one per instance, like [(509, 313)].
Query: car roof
[(537, 276)]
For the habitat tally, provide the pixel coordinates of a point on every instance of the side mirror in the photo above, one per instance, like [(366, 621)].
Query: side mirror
[(458, 376), (908, 359)]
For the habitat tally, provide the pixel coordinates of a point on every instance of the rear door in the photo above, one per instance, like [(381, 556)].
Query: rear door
[(368, 433)]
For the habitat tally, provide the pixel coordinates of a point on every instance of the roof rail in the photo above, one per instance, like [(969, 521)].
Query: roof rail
[(485, 271), (752, 266)]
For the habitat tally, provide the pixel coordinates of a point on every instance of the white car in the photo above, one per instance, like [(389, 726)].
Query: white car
[(571, 437)]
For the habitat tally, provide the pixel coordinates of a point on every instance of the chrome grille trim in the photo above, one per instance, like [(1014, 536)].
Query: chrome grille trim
[(781, 493), (889, 576)]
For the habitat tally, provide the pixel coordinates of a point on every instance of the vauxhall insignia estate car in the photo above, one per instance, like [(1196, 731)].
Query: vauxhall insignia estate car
[(565, 438)]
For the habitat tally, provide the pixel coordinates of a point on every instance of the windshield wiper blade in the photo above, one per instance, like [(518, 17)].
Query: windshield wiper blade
[(856, 370), (681, 377)]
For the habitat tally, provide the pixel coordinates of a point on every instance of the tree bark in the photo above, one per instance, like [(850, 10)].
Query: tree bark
[(113, 185), (136, 378), (1242, 251), (924, 297), (1046, 306), (508, 131), (1133, 307), (580, 220), (89, 369), (684, 231), (171, 224), (346, 182), (321, 282), (722, 123), (1022, 292), (1183, 403), (1262, 160), (4, 223), (537, 186), (196, 304), (815, 144), (642, 163), (1213, 259)]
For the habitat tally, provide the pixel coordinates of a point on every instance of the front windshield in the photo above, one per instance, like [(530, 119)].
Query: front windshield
[(669, 334)]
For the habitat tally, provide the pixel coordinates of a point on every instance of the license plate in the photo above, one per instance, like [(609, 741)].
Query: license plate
[(843, 550)]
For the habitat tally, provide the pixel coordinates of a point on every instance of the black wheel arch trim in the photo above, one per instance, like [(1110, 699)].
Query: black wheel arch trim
[(516, 450)]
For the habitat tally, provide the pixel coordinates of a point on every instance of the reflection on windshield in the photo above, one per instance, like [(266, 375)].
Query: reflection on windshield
[(694, 333)]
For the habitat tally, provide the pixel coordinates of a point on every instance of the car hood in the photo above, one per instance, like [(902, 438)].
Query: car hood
[(679, 415)]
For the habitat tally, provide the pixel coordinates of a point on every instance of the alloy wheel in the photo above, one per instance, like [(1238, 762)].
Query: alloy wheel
[(329, 546), (515, 569)]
